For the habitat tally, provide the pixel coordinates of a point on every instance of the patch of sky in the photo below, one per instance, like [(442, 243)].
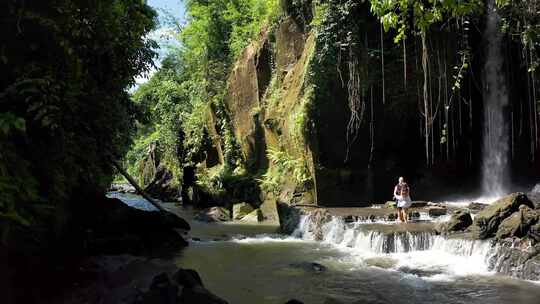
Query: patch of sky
[(171, 17)]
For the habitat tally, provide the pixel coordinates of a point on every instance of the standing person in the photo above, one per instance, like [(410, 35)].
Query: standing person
[(402, 194)]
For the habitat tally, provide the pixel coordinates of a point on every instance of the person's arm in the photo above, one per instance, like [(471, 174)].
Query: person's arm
[(395, 192)]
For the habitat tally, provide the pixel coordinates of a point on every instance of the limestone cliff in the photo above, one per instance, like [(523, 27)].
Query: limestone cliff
[(288, 102)]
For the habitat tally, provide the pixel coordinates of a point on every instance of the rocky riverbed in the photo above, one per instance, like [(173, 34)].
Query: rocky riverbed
[(330, 256)]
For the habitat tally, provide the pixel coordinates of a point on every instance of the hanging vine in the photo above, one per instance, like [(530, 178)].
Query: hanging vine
[(355, 97), (398, 15)]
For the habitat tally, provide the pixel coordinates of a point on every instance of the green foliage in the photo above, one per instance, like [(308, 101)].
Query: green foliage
[(66, 66), (192, 80), (284, 165), (522, 22), (397, 14)]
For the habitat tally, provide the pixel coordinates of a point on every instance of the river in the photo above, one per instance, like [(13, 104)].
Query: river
[(254, 264)]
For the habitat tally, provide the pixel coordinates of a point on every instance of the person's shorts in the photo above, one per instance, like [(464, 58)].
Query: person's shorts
[(404, 202)]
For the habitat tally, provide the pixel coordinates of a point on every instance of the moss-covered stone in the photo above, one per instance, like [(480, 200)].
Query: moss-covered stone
[(486, 223), (241, 210), (460, 220)]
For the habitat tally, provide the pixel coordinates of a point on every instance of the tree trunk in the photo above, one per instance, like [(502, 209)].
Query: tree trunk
[(137, 187)]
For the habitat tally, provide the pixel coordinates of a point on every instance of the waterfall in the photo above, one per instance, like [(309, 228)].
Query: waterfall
[(363, 237), (495, 137)]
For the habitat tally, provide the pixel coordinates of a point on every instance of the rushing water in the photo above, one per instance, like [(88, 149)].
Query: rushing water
[(253, 264), (495, 145)]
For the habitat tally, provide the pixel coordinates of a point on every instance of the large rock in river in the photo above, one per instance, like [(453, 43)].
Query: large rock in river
[(118, 228), (240, 210), (519, 223), (486, 223), (459, 221)]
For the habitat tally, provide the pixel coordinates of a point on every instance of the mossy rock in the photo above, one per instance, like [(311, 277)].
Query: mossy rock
[(241, 210), (486, 223), (518, 224), (460, 220)]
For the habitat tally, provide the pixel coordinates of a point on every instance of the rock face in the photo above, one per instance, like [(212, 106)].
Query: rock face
[(516, 258), (214, 214), (487, 221), (459, 221), (514, 223), (241, 210)]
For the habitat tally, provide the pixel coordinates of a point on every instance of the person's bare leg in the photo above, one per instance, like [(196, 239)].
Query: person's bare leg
[(400, 215), (405, 215)]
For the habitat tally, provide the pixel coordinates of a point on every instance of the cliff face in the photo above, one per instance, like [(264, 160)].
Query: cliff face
[(289, 105), (265, 104)]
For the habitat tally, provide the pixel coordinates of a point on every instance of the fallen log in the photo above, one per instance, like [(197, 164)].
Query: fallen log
[(137, 187)]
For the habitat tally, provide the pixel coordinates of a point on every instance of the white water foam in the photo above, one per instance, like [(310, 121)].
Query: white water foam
[(444, 259)]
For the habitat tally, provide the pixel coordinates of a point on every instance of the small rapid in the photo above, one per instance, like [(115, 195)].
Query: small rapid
[(420, 249)]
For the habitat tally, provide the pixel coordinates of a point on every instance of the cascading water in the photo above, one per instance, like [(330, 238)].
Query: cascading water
[(412, 250), (495, 145)]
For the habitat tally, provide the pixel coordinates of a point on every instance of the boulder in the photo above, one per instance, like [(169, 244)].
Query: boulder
[(459, 221), (161, 291), (214, 214), (436, 211), (185, 286), (487, 221), (518, 224), (114, 227), (269, 209), (289, 218), (253, 217), (240, 210), (390, 204)]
